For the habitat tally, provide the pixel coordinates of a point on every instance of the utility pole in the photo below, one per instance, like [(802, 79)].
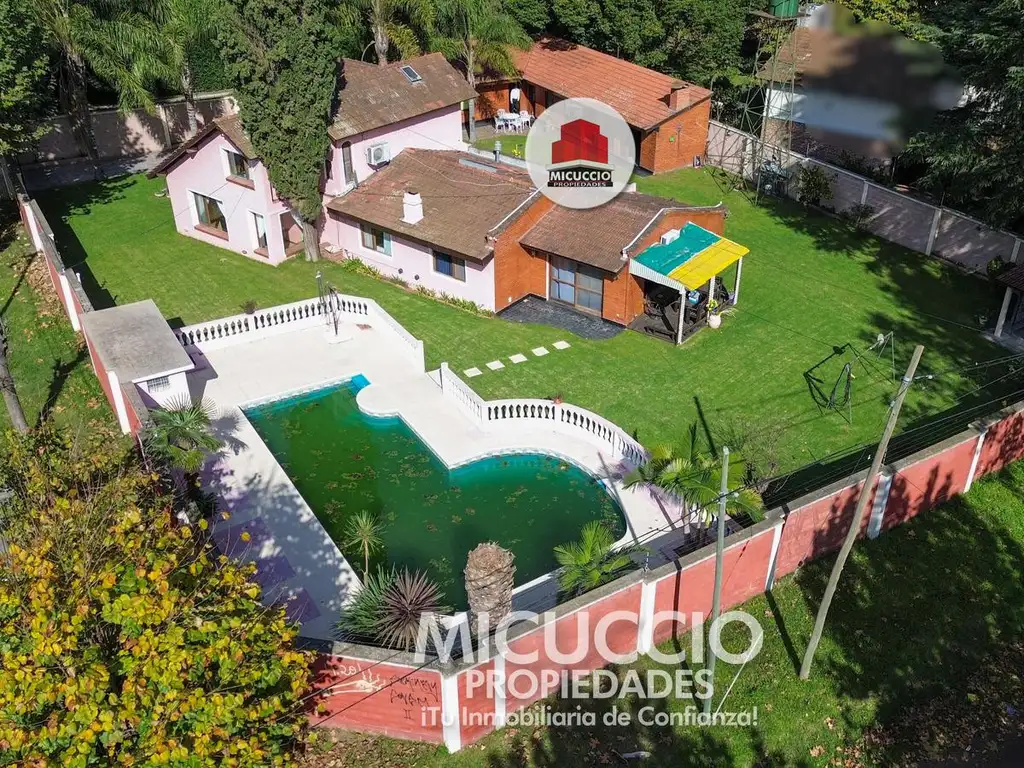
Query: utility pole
[(858, 514), (716, 600)]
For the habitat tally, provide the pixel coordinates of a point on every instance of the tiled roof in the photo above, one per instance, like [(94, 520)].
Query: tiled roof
[(1012, 278), (868, 64), (371, 96), (639, 94), (464, 198), (595, 236), (229, 125)]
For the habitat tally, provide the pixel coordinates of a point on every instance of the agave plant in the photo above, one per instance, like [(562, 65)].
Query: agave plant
[(405, 602), (181, 435), (364, 530), (360, 618), (695, 476), (590, 562)]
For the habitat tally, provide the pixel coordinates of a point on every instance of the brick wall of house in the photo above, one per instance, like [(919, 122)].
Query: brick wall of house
[(517, 272), (675, 143), (494, 96)]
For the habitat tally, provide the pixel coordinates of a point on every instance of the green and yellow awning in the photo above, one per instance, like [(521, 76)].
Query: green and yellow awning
[(690, 260)]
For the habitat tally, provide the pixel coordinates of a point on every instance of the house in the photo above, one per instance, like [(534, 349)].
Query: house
[(851, 90), (668, 117), (220, 190), (455, 224)]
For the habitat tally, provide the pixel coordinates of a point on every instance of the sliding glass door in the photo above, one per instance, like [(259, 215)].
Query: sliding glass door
[(576, 284)]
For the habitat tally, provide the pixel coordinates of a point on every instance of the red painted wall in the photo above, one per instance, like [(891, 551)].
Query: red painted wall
[(101, 374), (928, 483), (1003, 444), (389, 699), (476, 706)]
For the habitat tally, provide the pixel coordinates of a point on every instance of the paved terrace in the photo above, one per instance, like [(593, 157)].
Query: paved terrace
[(296, 560)]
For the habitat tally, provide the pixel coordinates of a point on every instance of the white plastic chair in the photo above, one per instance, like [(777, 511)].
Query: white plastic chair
[(525, 119)]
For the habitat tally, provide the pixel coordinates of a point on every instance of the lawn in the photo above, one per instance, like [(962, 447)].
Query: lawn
[(49, 363), (810, 283), (914, 621), (512, 144)]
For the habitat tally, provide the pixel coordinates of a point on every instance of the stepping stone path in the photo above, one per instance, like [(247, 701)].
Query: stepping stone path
[(540, 351), (517, 358), (561, 345), (495, 365), (471, 372)]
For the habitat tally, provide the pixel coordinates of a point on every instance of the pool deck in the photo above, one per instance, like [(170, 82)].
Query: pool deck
[(297, 562)]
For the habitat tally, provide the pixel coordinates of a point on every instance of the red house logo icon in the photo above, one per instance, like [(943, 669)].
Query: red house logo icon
[(580, 157)]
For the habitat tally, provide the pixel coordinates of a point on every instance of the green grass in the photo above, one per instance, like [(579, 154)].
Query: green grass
[(913, 619), (49, 363), (809, 283), (512, 144)]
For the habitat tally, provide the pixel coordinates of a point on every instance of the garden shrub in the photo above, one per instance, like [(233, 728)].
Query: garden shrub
[(815, 184)]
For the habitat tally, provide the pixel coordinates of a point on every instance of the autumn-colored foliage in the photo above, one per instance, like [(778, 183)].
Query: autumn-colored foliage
[(125, 639)]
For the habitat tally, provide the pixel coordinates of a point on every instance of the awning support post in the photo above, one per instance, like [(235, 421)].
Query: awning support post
[(682, 314), (1002, 312), (736, 288)]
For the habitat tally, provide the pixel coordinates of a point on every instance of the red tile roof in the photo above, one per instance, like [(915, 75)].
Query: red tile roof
[(229, 125), (639, 94)]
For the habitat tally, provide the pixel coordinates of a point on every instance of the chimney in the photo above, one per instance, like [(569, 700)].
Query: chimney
[(677, 96), (412, 207)]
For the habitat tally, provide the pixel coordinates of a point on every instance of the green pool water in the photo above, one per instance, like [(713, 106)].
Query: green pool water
[(343, 461)]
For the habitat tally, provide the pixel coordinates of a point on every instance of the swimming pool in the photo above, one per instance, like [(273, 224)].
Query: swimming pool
[(343, 461)]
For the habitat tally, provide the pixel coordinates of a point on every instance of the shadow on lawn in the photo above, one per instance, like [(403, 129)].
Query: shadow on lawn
[(597, 745), (59, 205), (920, 608)]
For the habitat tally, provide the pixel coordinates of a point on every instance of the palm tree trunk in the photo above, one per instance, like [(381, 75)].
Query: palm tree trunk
[(188, 90), (78, 107), (14, 409), (366, 558), (381, 43)]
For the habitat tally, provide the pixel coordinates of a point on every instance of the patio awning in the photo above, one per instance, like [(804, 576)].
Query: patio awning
[(690, 260)]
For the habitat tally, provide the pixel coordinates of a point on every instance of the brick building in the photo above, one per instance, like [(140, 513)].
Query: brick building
[(668, 117)]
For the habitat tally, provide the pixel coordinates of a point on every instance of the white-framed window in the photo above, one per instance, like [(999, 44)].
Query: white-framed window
[(376, 239), (159, 384), (209, 213), (237, 165), (259, 224), (451, 266)]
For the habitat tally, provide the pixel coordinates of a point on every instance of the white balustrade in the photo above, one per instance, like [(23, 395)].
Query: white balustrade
[(415, 345), (562, 417)]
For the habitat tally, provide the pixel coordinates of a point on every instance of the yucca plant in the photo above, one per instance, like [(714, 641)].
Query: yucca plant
[(406, 601), (360, 618), (364, 530), (590, 562), (181, 435)]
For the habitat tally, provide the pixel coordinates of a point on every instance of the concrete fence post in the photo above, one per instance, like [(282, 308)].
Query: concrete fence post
[(451, 720), (975, 458), (933, 232), (119, 407), (69, 303), (773, 557), (864, 192), (645, 620), (879, 503), (1016, 250)]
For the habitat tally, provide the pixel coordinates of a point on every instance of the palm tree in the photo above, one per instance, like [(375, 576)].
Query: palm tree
[(364, 530), (393, 22), (187, 24), (695, 476), (478, 34), (590, 562), (117, 39), (490, 577), (14, 409), (182, 436)]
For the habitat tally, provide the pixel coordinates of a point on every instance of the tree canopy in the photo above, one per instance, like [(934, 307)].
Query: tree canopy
[(125, 639), (23, 65)]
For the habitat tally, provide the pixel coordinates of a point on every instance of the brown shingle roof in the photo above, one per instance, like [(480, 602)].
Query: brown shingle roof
[(229, 125), (371, 96), (464, 198), (1012, 278), (639, 94), (596, 236)]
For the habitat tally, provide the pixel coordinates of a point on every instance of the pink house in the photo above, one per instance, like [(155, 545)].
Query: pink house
[(220, 190)]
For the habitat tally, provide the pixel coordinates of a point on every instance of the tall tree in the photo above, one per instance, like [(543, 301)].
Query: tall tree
[(10, 392), (127, 638), (281, 55), (23, 65), (395, 23), (532, 15), (974, 152), (188, 26), (117, 40), (478, 34)]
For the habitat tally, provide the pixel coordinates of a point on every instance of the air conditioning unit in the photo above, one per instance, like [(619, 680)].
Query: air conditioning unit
[(668, 237), (378, 154)]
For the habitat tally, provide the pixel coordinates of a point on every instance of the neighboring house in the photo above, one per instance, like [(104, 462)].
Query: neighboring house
[(668, 117), (455, 224), (221, 193), (851, 89)]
